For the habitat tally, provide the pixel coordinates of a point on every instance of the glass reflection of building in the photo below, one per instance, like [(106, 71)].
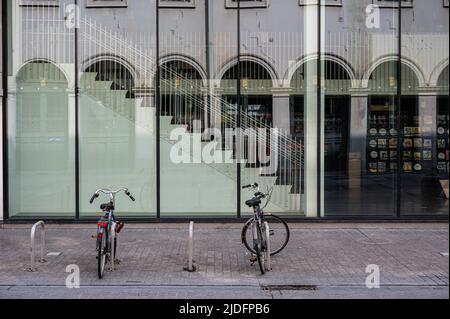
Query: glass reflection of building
[(362, 108)]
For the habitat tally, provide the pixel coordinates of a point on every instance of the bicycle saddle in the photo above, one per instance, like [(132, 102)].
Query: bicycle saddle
[(107, 206), (253, 202)]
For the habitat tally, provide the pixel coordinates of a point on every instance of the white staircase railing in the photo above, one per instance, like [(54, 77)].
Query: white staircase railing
[(97, 41)]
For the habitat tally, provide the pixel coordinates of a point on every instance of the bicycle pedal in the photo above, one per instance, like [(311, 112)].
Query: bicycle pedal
[(253, 259)]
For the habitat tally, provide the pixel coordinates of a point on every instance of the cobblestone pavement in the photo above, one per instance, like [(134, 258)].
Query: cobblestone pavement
[(330, 257)]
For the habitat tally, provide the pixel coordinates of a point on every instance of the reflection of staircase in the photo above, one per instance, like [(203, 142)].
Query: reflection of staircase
[(286, 197), (116, 100)]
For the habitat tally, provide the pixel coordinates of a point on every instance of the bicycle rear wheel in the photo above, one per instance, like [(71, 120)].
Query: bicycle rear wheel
[(279, 234)]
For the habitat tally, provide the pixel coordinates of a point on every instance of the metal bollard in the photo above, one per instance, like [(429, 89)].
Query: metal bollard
[(33, 245), (113, 248), (268, 266), (191, 266)]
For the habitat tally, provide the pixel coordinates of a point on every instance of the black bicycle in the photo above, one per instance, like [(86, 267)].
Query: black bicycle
[(107, 228), (256, 239)]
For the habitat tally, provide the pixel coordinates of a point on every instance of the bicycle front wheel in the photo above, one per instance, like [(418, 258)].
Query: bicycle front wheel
[(279, 234), (260, 251), (101, 253)]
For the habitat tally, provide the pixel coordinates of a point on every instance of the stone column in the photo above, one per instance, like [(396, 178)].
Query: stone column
[(281, 112), (357, 140)]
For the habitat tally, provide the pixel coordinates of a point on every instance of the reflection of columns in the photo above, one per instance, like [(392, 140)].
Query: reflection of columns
[(216, 107), (71, 96), (16, 41), (357, 139), (311, 104), (281, 113), (14, 183), (427, 113), (1, 127), (1, 155)]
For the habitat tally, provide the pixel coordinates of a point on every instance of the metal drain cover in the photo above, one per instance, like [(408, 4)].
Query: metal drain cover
[(290, 287)]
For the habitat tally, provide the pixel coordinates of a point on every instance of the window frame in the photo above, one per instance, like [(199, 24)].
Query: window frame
[(43, 3), (176, 4), (328, 3), (107, 4), (229, 4), (393, 4)]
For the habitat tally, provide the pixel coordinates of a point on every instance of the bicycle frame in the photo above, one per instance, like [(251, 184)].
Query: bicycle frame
[(256, 223)]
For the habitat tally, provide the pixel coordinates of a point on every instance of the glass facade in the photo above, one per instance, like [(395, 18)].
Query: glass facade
[(342, 109)]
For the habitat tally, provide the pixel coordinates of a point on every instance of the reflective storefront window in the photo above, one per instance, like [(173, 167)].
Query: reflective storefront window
[(360, 149), (194, 157), (424, 111), (340, 107), (41, 139), (117, 136)]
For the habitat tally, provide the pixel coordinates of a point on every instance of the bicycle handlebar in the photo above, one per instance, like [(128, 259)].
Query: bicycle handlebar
[(93, 198), (255, 185), (129, 195), (111, 194)]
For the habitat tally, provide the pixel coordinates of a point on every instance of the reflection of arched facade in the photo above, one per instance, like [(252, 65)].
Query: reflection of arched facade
[(442, 81), (113, 59), (335, 64), (41, 144), (390, 62), (182, 95), (255, 88), (41, 112), (164, 61), (250, 60), (337, 82), (110, 70), (112, 84), (383, 79)]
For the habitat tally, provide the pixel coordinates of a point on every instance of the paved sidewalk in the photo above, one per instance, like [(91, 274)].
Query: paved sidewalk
[(330, 257)]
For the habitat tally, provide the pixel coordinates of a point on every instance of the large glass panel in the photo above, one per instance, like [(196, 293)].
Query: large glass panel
[(41, 150), (425, 109), (359, 64), (198, 171), (273, 91), (117, 114)]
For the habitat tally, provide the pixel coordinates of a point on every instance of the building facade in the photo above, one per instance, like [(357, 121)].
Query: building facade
[(340, 107)]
